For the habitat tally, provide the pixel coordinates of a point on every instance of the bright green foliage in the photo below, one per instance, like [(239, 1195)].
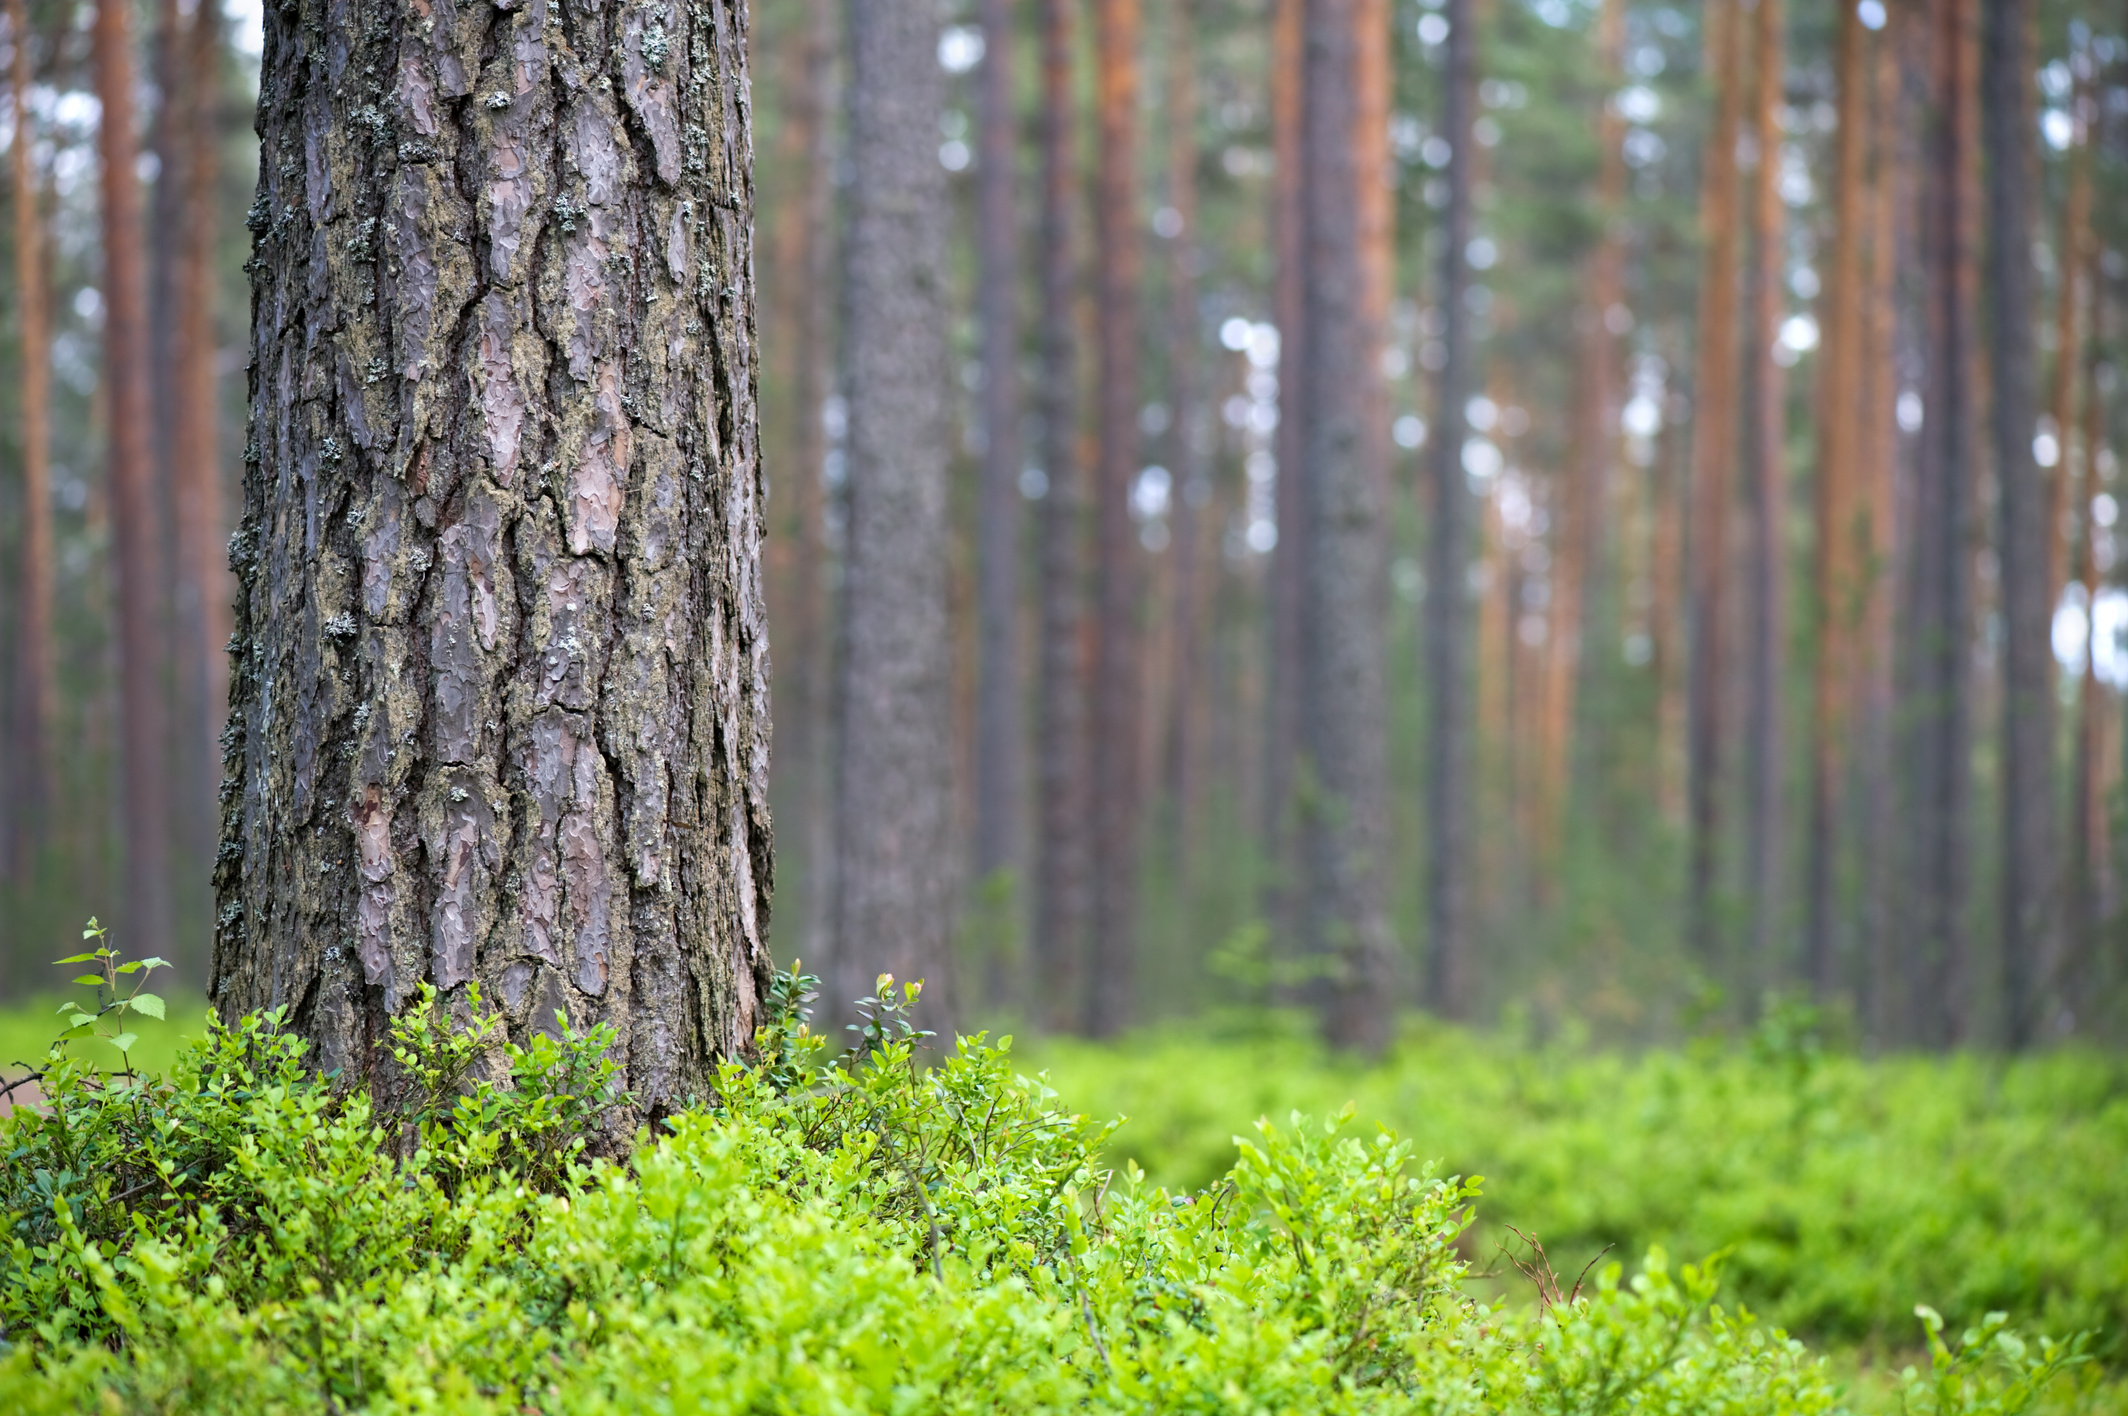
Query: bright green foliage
[(1842, 1189), (860, 1234)]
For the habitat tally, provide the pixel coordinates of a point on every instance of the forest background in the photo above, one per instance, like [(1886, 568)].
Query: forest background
[(1756, 462)]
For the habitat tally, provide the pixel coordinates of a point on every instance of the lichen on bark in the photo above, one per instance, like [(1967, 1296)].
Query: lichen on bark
[(500, 673)]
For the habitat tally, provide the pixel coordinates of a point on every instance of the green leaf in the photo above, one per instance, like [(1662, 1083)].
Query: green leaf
[(91, 980), (147, 1003), (151, 962), (124, 1041), (71, 1033), (75, 959), (80, 1020), (133, 967)]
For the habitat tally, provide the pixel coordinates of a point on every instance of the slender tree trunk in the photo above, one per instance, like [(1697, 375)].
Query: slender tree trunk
[(1117, 669), (136, 534), (1765, 463), (894, 798), (1447, 618), (1288, 556), (2076, 466), (2029, 882), (30, 783), (1344, 708), (2080, 978), (997, 767), (501, 687), (1875, 690), (1191, 437), (1937, 716), (1714, 446), (1061, 884), (1841, 442), (204, 588)]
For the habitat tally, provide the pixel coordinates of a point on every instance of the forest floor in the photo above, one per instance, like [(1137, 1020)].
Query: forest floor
[(1839, 1191)]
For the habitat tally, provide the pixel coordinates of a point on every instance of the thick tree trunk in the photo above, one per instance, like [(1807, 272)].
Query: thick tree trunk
[(1713, 455), (1447, 614), (1937, 712), (500, 702), (1765, 458), (1117, 668), (30, 782), (894, 813), (1836, 591), (997, 764), (203, 584), (135, 519), (1060, 884), (2030, 888), (1344, 708)]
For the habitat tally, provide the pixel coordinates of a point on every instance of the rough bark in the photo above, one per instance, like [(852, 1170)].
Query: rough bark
[(1447, 612), (1936, 714), (1344, 707), (1060, 882), (894, 870), (201, 516), (135, 521), (1117, 668), (997, 763), (1713, 455), (1839, 568), (30, 781), (500, 694), (2030, 887), (1766, 499)]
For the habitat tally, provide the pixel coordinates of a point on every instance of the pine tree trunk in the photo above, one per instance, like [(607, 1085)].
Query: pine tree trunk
[(2089, 824), (1287, 579), (997, 767), (1765, 457), (2030, 903), (1060, 884), (1117, 668), (500, 703), (135, 516), (894, 805), (1190, 433), (1936, 713), (1344, 707), (30, 783), (1842, 384), (1447, 613), (203, 584)]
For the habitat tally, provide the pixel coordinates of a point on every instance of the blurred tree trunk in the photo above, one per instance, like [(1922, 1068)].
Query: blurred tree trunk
[(30, 783), (1837, 589), (1890, 192), (804, 271), (2030, 885), (136, 553), (894, 799), (1936, 713), (1447, 610), (201, 520), (2076, 361), (1714, 444), (997, 766), (1765, 464), (1288, 556), (1117, 670), (500, 692), (1344, 707), (1061, 864), (1190, 433)]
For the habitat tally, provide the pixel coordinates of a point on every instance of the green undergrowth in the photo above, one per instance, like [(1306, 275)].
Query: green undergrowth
[(831, 1234), (1840, 1189)]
